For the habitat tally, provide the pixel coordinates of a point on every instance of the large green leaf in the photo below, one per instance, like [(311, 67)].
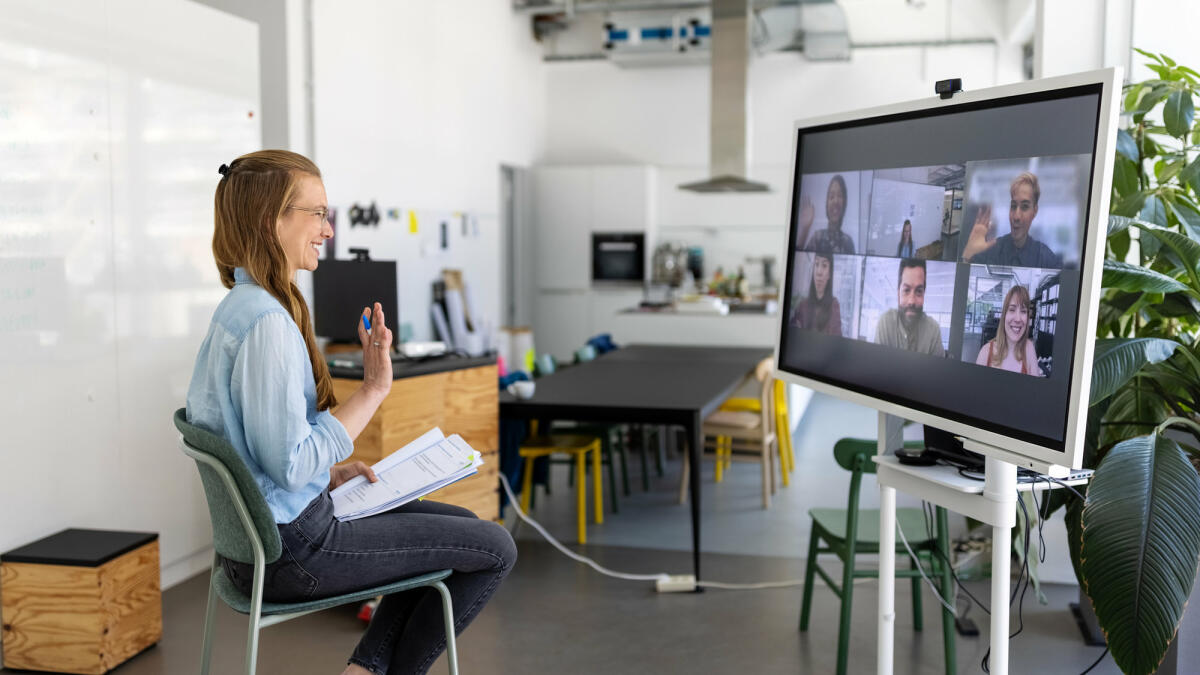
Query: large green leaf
[(1127, 146), (1141, 540), (1117, 360), (1186, 250), (1178, 113), (1128, 277), (1074, 533), (1154, 210)]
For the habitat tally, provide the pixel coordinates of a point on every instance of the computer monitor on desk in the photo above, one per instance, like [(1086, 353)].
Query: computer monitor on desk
[(342, 288), (985, 332)]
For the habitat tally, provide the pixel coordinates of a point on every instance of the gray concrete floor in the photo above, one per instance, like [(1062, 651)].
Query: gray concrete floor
[(554, 615)]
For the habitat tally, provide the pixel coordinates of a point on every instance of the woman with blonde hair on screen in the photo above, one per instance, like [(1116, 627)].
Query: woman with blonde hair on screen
[(1012, 349), (261, 383)]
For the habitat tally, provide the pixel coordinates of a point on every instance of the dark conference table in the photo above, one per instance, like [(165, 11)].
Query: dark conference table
[(645, 384)]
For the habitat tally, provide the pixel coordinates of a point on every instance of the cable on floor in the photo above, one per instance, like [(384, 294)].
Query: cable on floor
[(512, 500)]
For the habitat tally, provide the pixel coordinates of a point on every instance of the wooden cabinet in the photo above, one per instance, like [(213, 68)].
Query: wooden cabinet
[(463, 402)]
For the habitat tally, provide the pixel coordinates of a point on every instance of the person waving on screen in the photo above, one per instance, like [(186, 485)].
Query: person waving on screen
[(261, 383), (1017, 248), (831, 239)]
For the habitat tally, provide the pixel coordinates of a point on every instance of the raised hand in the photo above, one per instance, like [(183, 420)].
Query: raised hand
[(977, 241), (376, 344)]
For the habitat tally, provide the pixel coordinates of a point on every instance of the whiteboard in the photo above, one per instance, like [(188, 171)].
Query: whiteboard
[(114, 116)]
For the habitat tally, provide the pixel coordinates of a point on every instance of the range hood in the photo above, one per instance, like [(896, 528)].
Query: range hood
[(729, 133)]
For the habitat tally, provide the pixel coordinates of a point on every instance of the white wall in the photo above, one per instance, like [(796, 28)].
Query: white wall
[(107, 282), (417, 106)]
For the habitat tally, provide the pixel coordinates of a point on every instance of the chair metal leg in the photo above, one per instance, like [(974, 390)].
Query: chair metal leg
[(209, 614), (623, 448), (580, 498), (607, 450), (768, 474), (683, 481), (645, 465), (448, 619), (810, 570), (527, 485), (255, 618), (917, 607), (660, 457), (948, 637), (847, 603), (598, 483)]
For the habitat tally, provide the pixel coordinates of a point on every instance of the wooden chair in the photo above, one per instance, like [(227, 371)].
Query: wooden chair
[(783, 435), (743, 435), (244, 530)]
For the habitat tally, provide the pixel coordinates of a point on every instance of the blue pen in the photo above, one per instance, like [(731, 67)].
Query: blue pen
[(367, 322)]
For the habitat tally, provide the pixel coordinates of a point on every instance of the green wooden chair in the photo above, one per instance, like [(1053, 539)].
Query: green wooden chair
[(244, 530), (850, 531)]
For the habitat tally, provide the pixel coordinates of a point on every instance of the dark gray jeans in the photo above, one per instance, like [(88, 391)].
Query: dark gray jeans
[(323, 557)]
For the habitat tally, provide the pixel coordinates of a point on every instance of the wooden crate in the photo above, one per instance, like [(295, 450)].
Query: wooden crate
[(464, 402), (80, 601)]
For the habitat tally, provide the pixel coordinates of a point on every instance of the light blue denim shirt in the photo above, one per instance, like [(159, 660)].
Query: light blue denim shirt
[(253, 385)]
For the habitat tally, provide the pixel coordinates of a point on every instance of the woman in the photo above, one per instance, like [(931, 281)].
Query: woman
[(1012, 349), (819, 312), (905, 249), (831, 239), (260, 383)]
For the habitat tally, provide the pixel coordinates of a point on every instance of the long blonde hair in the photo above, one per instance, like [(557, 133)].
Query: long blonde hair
[(1000, 343), (250, 200)]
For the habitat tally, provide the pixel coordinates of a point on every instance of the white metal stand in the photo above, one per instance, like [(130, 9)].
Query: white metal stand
[(996, 506)]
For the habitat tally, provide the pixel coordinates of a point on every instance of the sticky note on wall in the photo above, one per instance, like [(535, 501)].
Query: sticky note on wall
[(412, 222)]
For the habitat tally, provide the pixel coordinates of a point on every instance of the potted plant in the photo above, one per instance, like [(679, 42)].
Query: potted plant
[(1135, 537)]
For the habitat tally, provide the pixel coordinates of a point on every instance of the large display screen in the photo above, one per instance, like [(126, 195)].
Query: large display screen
[(934, 258)]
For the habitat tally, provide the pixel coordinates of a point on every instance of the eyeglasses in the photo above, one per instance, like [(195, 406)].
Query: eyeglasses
[(322, 213)]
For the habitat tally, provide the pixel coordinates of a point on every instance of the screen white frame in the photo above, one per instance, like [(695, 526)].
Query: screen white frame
[(1020, 452)]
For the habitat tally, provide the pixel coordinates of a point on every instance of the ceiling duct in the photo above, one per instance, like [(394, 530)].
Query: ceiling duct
[(729, 132)]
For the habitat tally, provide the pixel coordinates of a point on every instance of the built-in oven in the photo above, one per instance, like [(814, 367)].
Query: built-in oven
[(618, 257)]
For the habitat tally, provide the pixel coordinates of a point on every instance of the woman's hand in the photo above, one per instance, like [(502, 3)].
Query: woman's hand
[(377, 359), (804, 220), (978, 242), (340, 473)]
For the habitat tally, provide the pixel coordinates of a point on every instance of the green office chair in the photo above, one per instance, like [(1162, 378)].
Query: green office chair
[(850, 531), (244, 530)]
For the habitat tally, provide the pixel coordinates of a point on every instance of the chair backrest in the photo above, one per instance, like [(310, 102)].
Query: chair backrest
[(230, 538), (545, 364), (762, 373), (854, 455)]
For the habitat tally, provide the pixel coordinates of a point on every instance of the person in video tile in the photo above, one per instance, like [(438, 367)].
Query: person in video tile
[(905, 249), (831, 239), (907, 326), (820, 312), (1012, 349), (1016, 248)]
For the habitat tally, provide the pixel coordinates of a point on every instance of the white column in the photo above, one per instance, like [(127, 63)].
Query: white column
[(1069, 37)]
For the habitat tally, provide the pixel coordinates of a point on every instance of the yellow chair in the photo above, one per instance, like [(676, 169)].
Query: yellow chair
[(579, 447), (783, 436)]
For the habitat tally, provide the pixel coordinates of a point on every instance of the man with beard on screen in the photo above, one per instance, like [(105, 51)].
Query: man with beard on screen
[(907, 326)]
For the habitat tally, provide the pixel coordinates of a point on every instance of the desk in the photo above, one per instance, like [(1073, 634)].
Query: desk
[(645, 384), (456, 394)]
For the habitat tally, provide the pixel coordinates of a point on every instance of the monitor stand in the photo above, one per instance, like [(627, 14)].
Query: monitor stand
[(996, 506)]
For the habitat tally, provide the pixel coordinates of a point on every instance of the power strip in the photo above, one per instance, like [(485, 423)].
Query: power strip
[(675, 583)]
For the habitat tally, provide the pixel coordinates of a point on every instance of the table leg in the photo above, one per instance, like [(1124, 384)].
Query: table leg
[(695, 444)]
